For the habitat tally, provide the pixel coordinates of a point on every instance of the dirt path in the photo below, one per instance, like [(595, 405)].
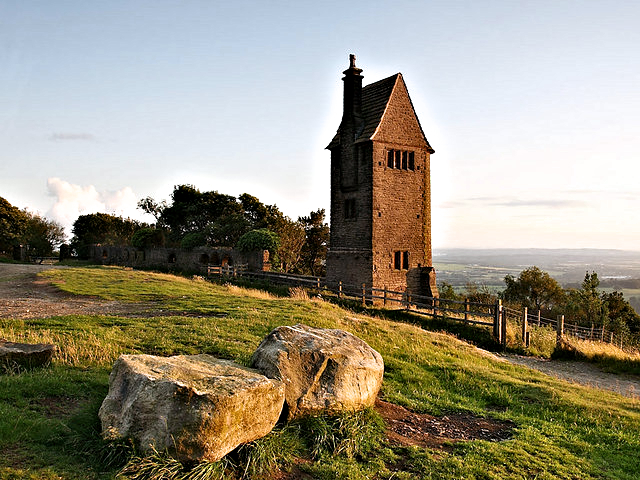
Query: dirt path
[(582, 373), (24, 295)]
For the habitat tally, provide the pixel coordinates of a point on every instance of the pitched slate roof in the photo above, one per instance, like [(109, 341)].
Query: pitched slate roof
[(375, 98)]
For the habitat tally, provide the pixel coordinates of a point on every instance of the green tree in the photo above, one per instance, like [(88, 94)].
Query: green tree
[(314, 251), (42, 235), (261, 239), (534, 289), (292, 240), (147, 237), (150, 206), (102, 228), (479, 293), (622, 318), (447, 292), (585, 304), (13, 225)]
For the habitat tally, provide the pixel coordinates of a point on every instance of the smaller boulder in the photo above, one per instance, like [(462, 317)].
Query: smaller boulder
[(197, 407), (322, 369), (26, 354)]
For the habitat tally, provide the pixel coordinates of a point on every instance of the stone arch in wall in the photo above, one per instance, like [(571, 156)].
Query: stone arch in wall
[(105, 254), (204, 259), (215, 259), (172, 258), (226, 260)]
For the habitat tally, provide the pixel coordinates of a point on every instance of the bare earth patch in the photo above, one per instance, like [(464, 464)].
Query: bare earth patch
[(24, 295), (406, 428)]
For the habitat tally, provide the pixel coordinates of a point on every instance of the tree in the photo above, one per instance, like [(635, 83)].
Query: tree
[(42, 235), (314, 251), (150, 206), (292, 239), (623, 319), (447, 292), (13, 225), (147, 237), (102, 228), (585, 304), (261, 239), (21, 227), (534, 289)]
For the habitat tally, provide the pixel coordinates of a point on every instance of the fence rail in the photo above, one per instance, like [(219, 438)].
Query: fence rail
[(493, 315)]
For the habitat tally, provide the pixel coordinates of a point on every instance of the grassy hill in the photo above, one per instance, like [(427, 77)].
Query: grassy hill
[(48, 417)]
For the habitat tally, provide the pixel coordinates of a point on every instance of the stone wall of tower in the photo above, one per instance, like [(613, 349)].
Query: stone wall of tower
[(349, 257), (401, 200)]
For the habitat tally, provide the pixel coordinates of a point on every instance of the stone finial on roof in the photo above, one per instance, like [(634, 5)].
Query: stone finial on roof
[(352, 61)]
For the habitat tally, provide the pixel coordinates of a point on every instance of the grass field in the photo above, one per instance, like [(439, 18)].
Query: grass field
[(48, 417)]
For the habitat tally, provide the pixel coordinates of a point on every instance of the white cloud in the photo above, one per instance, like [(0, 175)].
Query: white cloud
[(75, 200)]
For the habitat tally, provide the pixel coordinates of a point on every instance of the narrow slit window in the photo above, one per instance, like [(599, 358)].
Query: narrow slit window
[(390, 159), (397, 260), (405, 260), (398, 159), (404, 160), (412, 161)]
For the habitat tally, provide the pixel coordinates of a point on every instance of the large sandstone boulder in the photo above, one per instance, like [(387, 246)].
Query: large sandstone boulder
[(196, 407), (323, 370), (26, 354)]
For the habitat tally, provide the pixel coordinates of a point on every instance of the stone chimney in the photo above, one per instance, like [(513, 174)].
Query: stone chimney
[(352, 121)]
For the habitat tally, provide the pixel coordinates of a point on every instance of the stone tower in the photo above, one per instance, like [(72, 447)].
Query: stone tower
[(380, 190)]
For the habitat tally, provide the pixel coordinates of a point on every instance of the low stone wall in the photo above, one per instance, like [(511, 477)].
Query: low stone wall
[(177, 259)]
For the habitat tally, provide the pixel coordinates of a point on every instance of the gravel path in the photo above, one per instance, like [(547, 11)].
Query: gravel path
[(582, 373), (24, 295)]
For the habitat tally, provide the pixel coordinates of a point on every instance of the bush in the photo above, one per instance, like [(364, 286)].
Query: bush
[(192, 240), (147, 238), (262, 239)]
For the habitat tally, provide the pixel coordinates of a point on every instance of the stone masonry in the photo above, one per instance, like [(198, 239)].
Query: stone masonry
[(380, 190)]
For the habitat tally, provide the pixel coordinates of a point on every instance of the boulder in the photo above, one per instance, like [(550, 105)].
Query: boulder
[(196, 407), (26, 354), (323, 370)]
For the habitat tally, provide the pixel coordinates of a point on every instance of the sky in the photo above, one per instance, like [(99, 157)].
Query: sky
[(532, 107)]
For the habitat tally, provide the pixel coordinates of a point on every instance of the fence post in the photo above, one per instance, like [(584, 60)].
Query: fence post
[(504, 327), (539, 317), (408, 296), (364, 291), (602, 334), (559, 329), (436, 304), (466, 310), (340, 289), (525, 327), (497, 330), (318, 283), (384, 296), (611, 338)]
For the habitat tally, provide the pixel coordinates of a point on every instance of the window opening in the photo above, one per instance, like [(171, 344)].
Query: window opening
[(350, 208)]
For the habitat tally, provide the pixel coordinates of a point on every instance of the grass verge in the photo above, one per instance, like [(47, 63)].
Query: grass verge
[(48, 417)]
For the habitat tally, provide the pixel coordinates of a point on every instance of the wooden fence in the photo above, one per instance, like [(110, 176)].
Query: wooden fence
[(491, 315)]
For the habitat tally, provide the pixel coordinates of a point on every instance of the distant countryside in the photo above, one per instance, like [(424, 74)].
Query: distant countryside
[(617, 269)]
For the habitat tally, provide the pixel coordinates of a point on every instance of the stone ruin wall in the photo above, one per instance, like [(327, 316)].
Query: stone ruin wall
[(178, 259)]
